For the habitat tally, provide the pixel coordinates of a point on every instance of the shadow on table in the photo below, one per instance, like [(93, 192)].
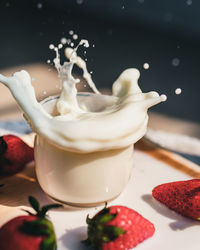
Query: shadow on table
[(73, 237), (179, 223)]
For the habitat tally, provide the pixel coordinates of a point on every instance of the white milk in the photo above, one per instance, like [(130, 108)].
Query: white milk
[(121, 121)]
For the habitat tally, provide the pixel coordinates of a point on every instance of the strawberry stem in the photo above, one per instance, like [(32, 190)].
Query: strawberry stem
[(41, 211), (34, 203)]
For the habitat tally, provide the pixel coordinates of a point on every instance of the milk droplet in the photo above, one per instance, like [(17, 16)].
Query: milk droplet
[(91, 72), (93, 45), (72, 44), (123, 7), (71, 32), (178, 91), (48, 61), (85, 43), (146, 66), (75, 37), (175, 62), (60, 46), (86, 59), (63, 40), (79, 1), (189, 2), (39, 5), (51, 46), (163, 98)]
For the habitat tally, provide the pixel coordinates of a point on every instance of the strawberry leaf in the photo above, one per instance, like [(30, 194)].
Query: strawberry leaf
[(48, 207), (28, 212), (36, 227), (111, 233), (88, 220), (105, 239), (41, 227), (34, 203), (48, 244), (106, 218)]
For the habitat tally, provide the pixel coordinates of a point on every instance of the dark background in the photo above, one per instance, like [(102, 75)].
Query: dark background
[(126, 33)]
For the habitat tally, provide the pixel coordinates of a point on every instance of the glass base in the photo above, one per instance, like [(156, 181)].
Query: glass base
[(82, 205)]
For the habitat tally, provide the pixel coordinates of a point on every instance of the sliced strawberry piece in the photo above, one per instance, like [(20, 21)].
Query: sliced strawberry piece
[(180, 196)]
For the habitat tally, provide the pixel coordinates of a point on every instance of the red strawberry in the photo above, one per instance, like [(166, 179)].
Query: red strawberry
[(30, 232), (14, 154), (117, 227), (180, 196)]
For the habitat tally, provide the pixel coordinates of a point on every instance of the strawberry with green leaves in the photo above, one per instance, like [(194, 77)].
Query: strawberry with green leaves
[(181, 196), (29, 232), (117, 227)]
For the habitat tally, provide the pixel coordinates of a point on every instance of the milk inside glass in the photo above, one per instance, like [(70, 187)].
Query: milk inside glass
[(84, 143)]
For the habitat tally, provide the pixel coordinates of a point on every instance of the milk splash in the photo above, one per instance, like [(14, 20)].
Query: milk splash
[(85, 122), (67, 103)]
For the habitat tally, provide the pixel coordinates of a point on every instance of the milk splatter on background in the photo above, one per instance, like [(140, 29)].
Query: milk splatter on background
[(175, 62), (146, 66), (178, 91), (39, 5)]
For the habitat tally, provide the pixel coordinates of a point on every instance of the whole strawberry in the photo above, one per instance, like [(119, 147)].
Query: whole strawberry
[(180, 196), (14, 154), (117, 227), (29, 232)]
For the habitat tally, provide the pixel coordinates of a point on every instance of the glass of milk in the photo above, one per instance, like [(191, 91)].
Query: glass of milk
[(84, 141), (81, 178)]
